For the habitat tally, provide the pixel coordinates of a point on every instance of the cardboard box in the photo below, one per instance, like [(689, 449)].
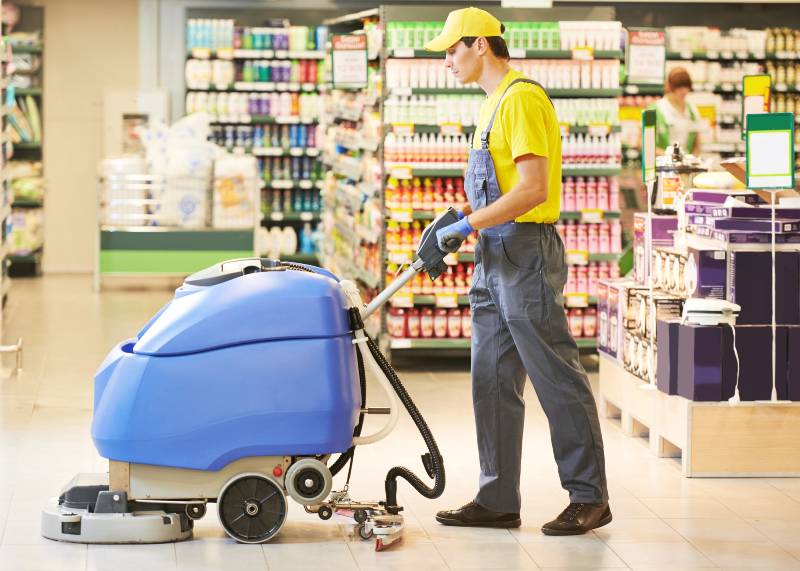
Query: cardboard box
[(610, 312), (699, 362), (706, 273), (666, 306), (744, 212), (751, 238), (630, 308), (754, 347), (751, 287), (667, 358), (662, 229), (737, 166), (793, 366), (740, 225)]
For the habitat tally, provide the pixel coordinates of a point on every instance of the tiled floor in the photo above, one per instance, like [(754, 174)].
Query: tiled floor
[(661, 520)]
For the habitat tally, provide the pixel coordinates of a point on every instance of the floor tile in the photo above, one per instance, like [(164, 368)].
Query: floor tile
[(482, 555), (213, 554), (637, 530), (578, 554), (777, 530), (400, 557), (716, 529), (309, 556), (742, 554), (124, 557), (51, 557), (683, 508), (669, 554), (738, 488), (630, 508), (767, 508)]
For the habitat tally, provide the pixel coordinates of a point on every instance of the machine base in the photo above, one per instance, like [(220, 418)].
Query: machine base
[(82, 526)]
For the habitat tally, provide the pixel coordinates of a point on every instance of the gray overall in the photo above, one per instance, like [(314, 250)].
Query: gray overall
[(519, 327)]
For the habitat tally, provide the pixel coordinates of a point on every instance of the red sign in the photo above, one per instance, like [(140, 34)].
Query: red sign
[(349, 42), (648, 37)]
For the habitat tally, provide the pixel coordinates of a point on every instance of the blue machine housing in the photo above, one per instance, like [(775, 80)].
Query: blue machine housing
[(259, 365)]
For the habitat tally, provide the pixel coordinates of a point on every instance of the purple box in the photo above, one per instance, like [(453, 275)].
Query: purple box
[(610, 316), (754, 346), (667, 356), (751, 286), (711, 196), (740, 225), (706, 273), (748, 212), (700, 362), (793, 368), (662, 228), (752, 237)]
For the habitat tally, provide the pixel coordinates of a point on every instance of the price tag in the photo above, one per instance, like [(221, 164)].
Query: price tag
[(599, 129), (402, 128), (402, 214), (400, 257), (400, 173), (282, 184), (265, 86), (759, 55), (781, 87), (450, 128), (276, 216), (711, 54), (222, 86), (223, 119), (401, 343), (245, 119), (631, 89), (225, 53), (403, 53), (238, 150), (296, 152), (516, 53), (726, 87), (726, 55), (268, 152), (305, 184), (306, 120), (309, 86), (451, 259), (742, 55), (785, 55), (583, 54), (592, 215), (281, 54), (564, 128), (286, 119), (281, 86), (687, 54), (577, 257), (401, 91), (446, 300), (201, 53), (577, 300), (306, 216), (403, 299), (201, 85), (293, 86), (709, 87)]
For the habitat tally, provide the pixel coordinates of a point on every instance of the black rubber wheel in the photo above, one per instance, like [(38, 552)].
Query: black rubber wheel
[(252, 509), (325, 513), (195, 511), (362, 531), (360, 516)]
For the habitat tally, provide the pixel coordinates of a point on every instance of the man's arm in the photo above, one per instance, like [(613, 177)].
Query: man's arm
[(528, 194)]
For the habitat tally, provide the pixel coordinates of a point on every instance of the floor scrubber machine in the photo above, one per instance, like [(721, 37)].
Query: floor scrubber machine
[(240, 391)]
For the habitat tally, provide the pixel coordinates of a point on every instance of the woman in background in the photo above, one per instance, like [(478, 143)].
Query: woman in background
[(677, 120)]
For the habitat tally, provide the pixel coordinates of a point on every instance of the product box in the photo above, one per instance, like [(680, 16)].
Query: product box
[(666, 306), (751, 287), (752, 237), (630, 308), (739, 225), (754, 347), (639, 357), (667, 360), (706, 273), (737, 166), (793, 366), (711, 196), (699, 362), (669, 271), (661, 228), (610, 309), (746, 212)]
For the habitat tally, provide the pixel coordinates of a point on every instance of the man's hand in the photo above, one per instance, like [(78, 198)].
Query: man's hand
[(451, 237)]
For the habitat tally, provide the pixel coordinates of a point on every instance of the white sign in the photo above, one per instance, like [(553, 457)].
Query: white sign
[(349, 61), (647, 55)]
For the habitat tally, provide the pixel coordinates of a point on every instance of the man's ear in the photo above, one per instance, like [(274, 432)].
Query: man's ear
[(482, 44)]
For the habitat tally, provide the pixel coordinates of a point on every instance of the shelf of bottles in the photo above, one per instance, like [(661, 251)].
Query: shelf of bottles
[(265, 88), (6, 194)]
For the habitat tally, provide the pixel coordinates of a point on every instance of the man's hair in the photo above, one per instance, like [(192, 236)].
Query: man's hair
[(496, 43)]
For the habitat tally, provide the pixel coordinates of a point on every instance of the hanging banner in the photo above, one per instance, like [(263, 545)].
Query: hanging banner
[(648, 145), (646, 56), (770, 151), (755, 97), (349, 61)]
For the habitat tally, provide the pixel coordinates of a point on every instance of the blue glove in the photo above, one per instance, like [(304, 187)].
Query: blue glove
[(451, 237), (460, 215)]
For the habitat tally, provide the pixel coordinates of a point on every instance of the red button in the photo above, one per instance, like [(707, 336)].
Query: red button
[(278, 471)]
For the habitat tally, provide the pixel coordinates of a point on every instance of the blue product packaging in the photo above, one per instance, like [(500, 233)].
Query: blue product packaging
[(302, 139), (322, 37), (295, 168), (258, 136), (297, 201), (306, 201), (293, 136)]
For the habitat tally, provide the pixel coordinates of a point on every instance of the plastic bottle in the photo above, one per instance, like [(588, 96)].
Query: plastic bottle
[(616, 238), (396, 322), (604, 239), (593, 239), (570, 240), (466, 323), (580, 193), (306, 245), (582, 238), (613, 194), (581, 280), (569, 194), (289, 241), (275, 241), (461, 280), (440, 323), (576, 322), (591, 275), (572, 281), (590, 322), (426, 321), (449, 281), (602, 194), (454, 323), (413, 322)]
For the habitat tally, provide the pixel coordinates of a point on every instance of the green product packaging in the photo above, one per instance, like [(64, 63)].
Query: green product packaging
[(525, 36), (419, 35), (410, 30), (535, 35), (400, 36), (515, 39), (555, 36), (430, 31), (390, 35)]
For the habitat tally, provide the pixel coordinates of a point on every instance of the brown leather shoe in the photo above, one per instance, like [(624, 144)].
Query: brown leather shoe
[(577, 519), (473, 515)]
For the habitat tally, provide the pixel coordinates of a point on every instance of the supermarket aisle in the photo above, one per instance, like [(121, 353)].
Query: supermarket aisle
[(661, 520)]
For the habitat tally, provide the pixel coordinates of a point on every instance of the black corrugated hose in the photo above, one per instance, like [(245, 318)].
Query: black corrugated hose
[(437, 469)]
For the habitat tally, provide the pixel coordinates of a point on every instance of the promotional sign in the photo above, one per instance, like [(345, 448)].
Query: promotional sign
[(646, 56), (648, 145), (755, 97), (349, 61), (770, 151)]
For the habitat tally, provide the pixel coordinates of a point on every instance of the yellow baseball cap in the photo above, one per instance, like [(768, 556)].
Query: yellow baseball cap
[(464, 23)]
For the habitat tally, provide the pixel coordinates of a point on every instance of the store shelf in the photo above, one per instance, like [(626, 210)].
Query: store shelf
[(586, 342), (33, 258), (431, 343), (291, 217), (584, 129), (515, 53), (275, 152), (292, 184), (29, 145), (26, 49), (28, 91), (643, 89), (612, 92), (431, 299), (419, 128), (607, 215), (261, 86), (610, 171), (264, 120), (299, 258), (432, 171), (257, 54), (26, 203), (718, 56)]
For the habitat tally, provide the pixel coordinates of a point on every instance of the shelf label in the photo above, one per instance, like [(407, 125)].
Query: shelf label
[(451, 259), (450, 128), (403, 299), (309, 86), (306, 216), (225, 53), (238, 150), (403, 53), (287, 119), (401, 343), (400, 257), (268, 152), (281, 54), (516, 53), (759, 55), (727, 87), (403, 128), (349, 61), (276, 216), (646, 56), (446, 300), (577, 300), (293, 86), (306, 120), (599, 129), (711, 54), (727, 55), (201, 53), (402, 214), (403, 173), (296, 152), (583, 54), (564, 128), (244, 119), (577, 257), (304, 184), (592, 215), (631, 89), (781, 87), (282, 184), (785, 55), (312, 152), (202, 85), (686, 54)]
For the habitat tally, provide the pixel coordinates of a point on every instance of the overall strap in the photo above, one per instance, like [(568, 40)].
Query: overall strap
[(485, 134)]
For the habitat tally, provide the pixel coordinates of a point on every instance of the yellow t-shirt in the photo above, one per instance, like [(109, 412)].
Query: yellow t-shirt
[(526, 123)]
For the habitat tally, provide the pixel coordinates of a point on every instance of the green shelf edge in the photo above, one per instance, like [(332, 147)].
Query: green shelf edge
[(29, 259), (591, 172), (529, 54), (292, 217), (611, 214), (27, 145), (425, 299), (300, 258), (586, 342), (26, 49), (612, 92), (28, 91), (26, 203), (433, 343)]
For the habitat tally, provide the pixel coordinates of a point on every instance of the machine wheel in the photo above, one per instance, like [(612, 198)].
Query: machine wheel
[(252, 508), (325, 513), (362, 531), (360, 516), (195, 511), (308, 481)]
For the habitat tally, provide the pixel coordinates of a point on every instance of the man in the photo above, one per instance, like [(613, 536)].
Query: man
[(513, 182)]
